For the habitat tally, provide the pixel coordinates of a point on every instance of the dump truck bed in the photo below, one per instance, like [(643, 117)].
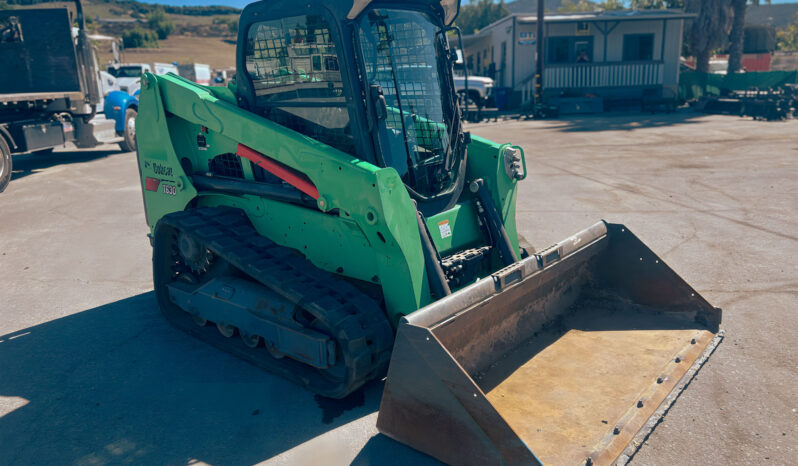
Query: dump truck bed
[(42, 52)]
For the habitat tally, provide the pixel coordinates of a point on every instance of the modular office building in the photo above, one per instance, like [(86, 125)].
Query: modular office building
[(612, 54)]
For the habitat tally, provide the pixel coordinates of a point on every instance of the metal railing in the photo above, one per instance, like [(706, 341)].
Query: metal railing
[(602, 75)]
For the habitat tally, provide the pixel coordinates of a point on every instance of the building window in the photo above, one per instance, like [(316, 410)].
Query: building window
[(570, 49), (582, 28), (638, 47)]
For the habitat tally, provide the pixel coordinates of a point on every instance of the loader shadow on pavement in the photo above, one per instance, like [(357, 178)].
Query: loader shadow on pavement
[(30, 164), (117, 384), (377, 452), (625, 121)]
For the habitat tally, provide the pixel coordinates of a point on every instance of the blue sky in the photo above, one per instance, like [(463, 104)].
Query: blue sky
[(242, 3)]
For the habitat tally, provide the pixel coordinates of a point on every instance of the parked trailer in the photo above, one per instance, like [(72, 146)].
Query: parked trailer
[(199, 73), (163, 68), (60, 98)]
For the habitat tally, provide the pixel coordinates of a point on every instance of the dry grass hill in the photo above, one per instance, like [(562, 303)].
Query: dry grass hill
[(195, 38)]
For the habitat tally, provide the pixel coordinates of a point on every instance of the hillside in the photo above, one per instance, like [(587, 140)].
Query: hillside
[(214, 51), (201, 34)]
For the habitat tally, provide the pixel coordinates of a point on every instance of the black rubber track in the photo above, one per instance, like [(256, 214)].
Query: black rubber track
[(363, 335)]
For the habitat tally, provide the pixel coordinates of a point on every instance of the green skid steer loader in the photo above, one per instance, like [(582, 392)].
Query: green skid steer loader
[(326, 217)]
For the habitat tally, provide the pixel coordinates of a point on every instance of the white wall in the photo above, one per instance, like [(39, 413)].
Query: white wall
[(503, 34), (489, 44), (476, 48), (525, 54), (673, 52), (669, 55), (615, 38)]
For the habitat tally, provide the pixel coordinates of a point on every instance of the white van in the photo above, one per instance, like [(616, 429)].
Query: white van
[(163, 68)]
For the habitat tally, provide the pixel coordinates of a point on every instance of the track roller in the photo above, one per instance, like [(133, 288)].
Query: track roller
[(252, 341), (226, 330)]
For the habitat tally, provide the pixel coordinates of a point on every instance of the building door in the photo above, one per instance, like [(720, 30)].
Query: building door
[(583, 51)]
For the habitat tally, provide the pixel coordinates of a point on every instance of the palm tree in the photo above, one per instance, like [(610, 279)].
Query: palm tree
[(709, 30), (736, 38)]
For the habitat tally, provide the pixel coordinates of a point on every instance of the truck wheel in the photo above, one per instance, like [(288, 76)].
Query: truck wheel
[(462, 98), (128, 144), (5, 164)]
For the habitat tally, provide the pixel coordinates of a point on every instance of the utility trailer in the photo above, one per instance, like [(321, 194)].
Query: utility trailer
[(197, 72), (163, 68), (53, 96)]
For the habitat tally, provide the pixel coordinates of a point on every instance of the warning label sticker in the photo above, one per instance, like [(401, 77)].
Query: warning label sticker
[(446, 231)]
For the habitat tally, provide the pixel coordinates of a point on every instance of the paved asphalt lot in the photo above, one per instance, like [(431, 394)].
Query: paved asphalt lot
[(91, 374)]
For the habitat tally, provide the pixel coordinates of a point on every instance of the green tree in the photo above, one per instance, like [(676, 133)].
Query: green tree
[(655, 4), (160, 23), (571, 6), (139, 38), (4, 6), (647, 4), (787, 37), (709, 31), (478, 14), (612, 5)]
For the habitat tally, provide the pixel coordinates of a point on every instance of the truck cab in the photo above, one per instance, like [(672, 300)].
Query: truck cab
[(479, 89), (128, 75)]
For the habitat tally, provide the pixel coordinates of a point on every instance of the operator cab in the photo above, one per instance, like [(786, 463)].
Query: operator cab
[(371, 79)]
